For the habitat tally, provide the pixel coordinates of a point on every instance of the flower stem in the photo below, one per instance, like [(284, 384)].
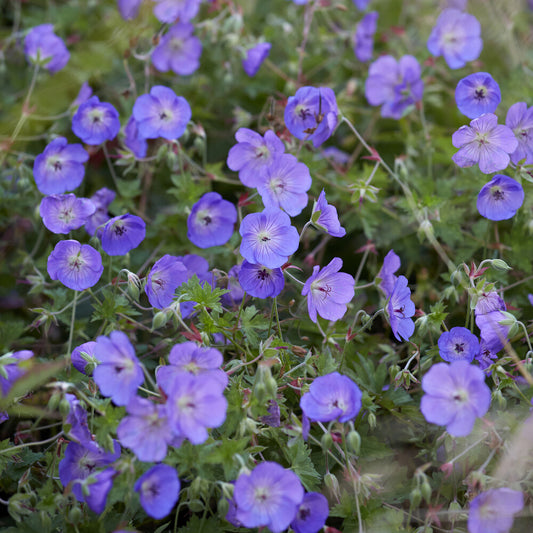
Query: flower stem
[(110, 165)]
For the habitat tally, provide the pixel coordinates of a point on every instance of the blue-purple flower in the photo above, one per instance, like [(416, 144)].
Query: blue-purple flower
[(493, 511), (455, 395), (311, 114), (12, 369), (489, 301), (194, 404), (170, 10), (268, 238), (269, 496), (332, 397), (500, 198), (260, 281), (83, 95), (236, 292), (391, 263), (62, 213), (325, 217), (363, 45), (161, 114), (95, 122), (458, 344), (253, 155), (78, 361), (484, 142), (520, 119), (211, 221), (145, 430), (76, 420), (133, 139), (119, 373), (477, 94), (167, 274), (494, 336), (98, 487), (255, 57), (159, 490), (77, 266), (122, 234), (60, 167), (457, 37), (394, 85), (102, 198), (361, 4), (400, 310), (42, 46), (129, 9), (178, 50), (312, 514), (285, 184), (328, 291)]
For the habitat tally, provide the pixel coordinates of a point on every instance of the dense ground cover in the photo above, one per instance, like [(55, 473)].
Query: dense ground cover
[(266, 264)]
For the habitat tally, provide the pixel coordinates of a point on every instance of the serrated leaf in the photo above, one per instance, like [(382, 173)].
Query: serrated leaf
[(301, 464)]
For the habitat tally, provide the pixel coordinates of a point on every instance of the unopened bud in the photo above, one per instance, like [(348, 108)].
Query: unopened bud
[(134, 284), (332, 484), (64, 407), (354, 441), (326, 442), (372, 422), (426, 491), (222, 507), (498, 397), (75, 515), (415, 497), (159, 320), (500, 264)]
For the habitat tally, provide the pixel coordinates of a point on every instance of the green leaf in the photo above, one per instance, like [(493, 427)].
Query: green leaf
[(301, 464), (204, 295), (253, 321)]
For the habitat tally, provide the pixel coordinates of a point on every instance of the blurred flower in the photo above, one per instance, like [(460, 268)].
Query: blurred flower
[(332, 397), (98, 489), (161, 114), (312, 513), (364, 36), (400, 309), (493, 511), (236, 292), (95, 122), (178, 50), (485, 357), (119, 373), (325, 217), (500, 198), (211, 221), (456, 36), (133, 139), (62, 213), (167, 274), (101, 199), (489, 301), (268, 238), (253, 154), (158, 490), (455, 395), (60, 167), (260, 281), (484, 142), (361, 4), (391, 263), (122, 234), (84, 94), (493, 334), (11, 370), (194, 404), (394, 85), (129, 9), (170, 10), (255, 57), (269, 496), (77, 266), (311, 114), (145, 430), (285, 184), (42, 46), (77, 360), (458, 344), (477, 94), (328, 291), (77, 420), (520, 120)]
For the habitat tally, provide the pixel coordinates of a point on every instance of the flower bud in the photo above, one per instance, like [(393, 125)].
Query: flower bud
[(75, 515), (353, 440), (372, 422), (426, 491), (54, 400), (415, 497), (326, 442), (501, 265), (498, 397), (134, 284), (332, 484), (64, 407), (159, 320), (222, 507)]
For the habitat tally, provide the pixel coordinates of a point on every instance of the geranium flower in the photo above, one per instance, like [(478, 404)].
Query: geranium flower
[(101, 199), (11, 369), (332, 397), (458, 344), (133, 139), (493, 511), (325, 217), (122, 234), (328, 291), (400, 310), (170, 10), (60, 167), (484, 142), (312, 513), (77, 266), (77, 360), (129, 9), (167, 274), (477, 94), (260, 281), (363, 45), (456, 36), (95, 122), (455, 395), (255, 57), (269, 496), (211, 221), (285, 184), (43, 46), (62, 213), (520, 119), (500, 198), (158, 490), (268, 238), (391, 263)]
